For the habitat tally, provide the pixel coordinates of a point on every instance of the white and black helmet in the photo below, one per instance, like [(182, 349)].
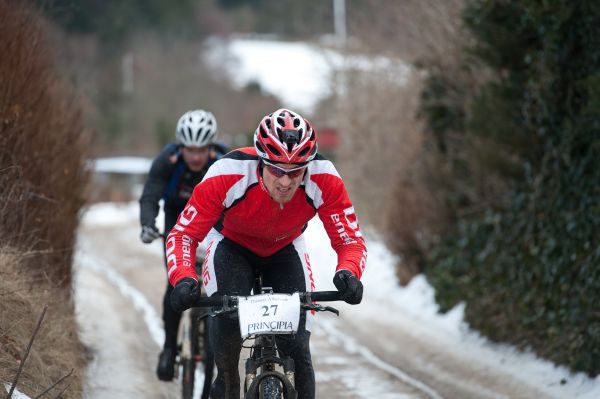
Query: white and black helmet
[(196, 128)]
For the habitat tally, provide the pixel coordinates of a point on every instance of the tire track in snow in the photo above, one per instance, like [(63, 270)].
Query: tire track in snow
[(140, 303), (350, 345)]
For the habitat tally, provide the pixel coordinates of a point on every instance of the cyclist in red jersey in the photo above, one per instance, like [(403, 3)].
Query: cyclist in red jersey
[(252, 207)]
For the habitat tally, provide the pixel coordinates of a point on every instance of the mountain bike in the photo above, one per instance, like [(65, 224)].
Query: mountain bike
[(193, 352), (193, 349), (262, 317)]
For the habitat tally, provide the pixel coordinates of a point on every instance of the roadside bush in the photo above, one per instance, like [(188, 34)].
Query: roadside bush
[(42, 179), (42, 143), (526, 261)]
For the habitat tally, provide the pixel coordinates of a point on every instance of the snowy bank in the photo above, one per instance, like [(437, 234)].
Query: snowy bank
[(300, 74)]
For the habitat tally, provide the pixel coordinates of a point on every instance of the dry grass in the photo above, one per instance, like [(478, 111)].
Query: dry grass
[(56, 349)]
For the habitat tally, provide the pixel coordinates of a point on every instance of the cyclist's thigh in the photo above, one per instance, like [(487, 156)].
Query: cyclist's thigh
[(289, 270), (227, 268)]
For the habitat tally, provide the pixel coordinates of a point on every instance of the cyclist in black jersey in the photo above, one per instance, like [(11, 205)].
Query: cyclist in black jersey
[(172, 177)]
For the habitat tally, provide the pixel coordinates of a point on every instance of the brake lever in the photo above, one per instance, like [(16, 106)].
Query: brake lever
[(321, 308), (332, 310)]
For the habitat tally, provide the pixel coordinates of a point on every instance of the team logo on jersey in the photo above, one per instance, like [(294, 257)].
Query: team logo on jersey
[(171, 258), (205, 272), (186, 217), (351, 222)]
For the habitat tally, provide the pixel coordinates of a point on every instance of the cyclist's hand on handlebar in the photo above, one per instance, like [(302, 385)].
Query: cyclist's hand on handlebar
[(184, 294), (149, 234), (350, 288)]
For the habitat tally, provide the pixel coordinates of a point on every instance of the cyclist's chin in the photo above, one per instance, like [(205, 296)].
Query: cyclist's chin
[(283, 196), (196, 167)]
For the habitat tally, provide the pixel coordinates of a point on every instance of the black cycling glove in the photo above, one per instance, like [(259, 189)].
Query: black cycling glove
[(350, 288), (149, 234), (184, 293)]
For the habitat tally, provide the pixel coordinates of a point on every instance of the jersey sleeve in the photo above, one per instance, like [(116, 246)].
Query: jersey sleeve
[(155, 185), (201, 213), (339, 219)]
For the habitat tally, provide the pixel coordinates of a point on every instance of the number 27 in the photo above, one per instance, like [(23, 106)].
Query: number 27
[(266, 310)]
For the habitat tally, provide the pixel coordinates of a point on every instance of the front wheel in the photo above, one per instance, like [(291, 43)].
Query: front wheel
[(208, 357), (270, 388), (187, 380)]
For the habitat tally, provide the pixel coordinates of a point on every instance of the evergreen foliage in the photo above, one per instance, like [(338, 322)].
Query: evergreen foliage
[(528, 266), (113, 20)]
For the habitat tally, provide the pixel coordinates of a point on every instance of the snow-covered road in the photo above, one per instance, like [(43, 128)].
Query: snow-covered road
[(393, 345)]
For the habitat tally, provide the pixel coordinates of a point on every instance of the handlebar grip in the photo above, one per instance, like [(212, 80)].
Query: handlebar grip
[(325, 296), (205, 302)]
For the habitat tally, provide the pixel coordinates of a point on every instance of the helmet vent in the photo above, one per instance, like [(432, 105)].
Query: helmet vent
[(259, 146), (304, 151), (268, 123), (281, 121), (312, 136), (273, 150), (296, 122), (262, 132)]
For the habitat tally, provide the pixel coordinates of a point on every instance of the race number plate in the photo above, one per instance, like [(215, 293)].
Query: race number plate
[(269, 313)]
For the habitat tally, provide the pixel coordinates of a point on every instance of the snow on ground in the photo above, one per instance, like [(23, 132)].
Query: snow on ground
[(140, 303), (416, 300), (16, 393), (298, 73), (123, 165)]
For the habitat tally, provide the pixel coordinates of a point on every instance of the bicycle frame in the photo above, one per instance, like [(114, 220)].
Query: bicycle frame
[(264, 353)]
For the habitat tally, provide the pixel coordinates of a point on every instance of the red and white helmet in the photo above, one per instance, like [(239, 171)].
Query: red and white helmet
[(285, 137)]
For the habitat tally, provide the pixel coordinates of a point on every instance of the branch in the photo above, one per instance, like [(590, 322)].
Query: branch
[(26, 353), (63, 391), (55, 384)]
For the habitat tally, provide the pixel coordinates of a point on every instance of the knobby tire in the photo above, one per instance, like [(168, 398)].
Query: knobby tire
[(187, 381), (270, 388), (208, 358), (188, 374)]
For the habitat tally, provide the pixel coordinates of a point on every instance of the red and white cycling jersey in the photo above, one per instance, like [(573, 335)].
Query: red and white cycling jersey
[(232, 198)]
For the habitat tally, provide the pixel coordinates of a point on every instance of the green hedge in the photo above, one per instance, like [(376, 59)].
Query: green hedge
[(529, 267)]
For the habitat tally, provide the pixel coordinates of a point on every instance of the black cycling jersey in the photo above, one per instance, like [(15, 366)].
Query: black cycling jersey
[(171, 179)]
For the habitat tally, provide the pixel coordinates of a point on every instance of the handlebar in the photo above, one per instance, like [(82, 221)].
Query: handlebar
[(323, 296), (229, 301)]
